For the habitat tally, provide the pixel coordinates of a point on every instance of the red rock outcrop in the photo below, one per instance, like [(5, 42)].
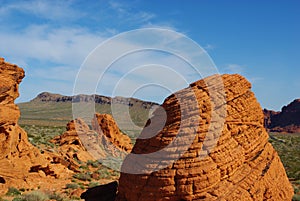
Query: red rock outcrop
[(70, 144), (106, 125), (22, 164), (285, 121), (82, 143), (240, 164), (17, 155)]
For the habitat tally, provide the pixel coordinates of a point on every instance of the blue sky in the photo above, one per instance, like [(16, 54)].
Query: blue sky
[(258, 39)]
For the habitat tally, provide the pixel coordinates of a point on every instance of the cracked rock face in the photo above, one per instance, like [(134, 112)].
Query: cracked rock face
[(17, 155), (240, 164), (105, 125)]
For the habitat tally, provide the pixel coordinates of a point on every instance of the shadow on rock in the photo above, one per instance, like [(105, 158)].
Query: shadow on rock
[(105, 192)]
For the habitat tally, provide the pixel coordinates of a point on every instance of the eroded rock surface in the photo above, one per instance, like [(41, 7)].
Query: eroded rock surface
[(17, 155), (22, 164), (83, 143), (106, 125), (239, 164), (285, 121), (70, 145)]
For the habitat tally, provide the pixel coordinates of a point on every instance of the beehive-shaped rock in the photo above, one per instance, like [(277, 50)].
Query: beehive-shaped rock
[(237, 164)]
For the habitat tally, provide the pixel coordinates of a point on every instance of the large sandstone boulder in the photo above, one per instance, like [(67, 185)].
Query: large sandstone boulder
[(239, 164)]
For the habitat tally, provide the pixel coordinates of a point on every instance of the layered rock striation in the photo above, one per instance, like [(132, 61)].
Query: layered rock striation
[(197, 163)]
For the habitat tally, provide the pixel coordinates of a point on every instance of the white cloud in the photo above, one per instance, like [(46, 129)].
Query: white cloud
[(51, 10), (234, 68), (65, 46), (209, 47), (123, 56), (125, 13), (52, 54)]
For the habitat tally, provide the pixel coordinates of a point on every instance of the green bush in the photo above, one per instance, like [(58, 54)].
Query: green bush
[(296, 198), (93, 184), (17, 199), (296, 189), (72, 186), (81, 185), (83, 176), (84, 167), (35, 196), (75, 198), (104, 173), (12, 191), (55, 196), (94, 164)]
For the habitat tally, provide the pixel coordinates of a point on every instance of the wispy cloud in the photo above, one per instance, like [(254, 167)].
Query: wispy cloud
[(52, 50), (234, 68), (51, 10), (126, 13), (209, 47), (40, 42)]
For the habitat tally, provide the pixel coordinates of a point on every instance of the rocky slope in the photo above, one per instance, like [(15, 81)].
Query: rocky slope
[(241, 165), (22, 164), (286, 121)]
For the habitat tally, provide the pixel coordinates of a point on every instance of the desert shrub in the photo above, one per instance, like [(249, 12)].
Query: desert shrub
[(81, 185), (104, 173), (83, 176), (35, 196), (93, 184), (12, 191), (17, 199), (1, 199), (84, 167), (75, 198), (296, 189), (56, 196), (72, 186), (296, 198), (94, 164)]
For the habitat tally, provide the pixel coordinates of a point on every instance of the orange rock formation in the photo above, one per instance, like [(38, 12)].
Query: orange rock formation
[(82, 143), (70, 144), (106, 125), (22, 164), (242, 165)]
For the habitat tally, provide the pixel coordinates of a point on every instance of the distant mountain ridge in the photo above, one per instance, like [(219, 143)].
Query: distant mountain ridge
[(286, 121), (49, 109), (51, 97)]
